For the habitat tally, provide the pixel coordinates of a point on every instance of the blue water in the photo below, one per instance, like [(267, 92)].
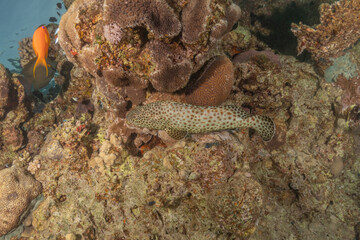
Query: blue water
[(19, 19)]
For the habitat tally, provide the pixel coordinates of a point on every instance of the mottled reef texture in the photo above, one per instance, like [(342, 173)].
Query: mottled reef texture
[(102, 179), (17, 189)]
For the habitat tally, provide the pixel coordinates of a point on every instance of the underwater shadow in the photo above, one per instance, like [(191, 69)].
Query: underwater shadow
[(279, 24)]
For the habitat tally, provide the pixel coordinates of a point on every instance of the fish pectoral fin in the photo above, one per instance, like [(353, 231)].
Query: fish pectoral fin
[(176, 134)]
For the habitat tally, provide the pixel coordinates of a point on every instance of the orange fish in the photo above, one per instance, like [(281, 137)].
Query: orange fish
[(41, 43)]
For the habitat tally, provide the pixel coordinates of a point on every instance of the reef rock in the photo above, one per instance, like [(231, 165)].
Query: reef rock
[(17, 189)]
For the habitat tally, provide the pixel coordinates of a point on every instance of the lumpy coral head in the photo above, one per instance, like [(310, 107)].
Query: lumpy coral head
[(214, 85)]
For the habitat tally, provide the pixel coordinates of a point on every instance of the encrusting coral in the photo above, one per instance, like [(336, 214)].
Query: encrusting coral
[(250, 54), (156, 15), (194, 17), (172, 69)]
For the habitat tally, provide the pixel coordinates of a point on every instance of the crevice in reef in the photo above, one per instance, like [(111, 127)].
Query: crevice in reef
[(278, 24)]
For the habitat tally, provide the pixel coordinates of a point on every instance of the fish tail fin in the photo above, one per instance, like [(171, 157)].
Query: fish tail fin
[(40, 61), (263, 125), (36, 63)]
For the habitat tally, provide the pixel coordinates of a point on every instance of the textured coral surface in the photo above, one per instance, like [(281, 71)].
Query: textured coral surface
[(17, 189), (104, 179)]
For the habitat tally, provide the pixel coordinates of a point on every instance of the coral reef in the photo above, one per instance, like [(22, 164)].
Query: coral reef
[(67, 3), (338, 30), (138, 42), (333, 46), (243, 197), (17, 189), (104, 179), (26, 52), (16, 114), (344, 66), (171, 188)]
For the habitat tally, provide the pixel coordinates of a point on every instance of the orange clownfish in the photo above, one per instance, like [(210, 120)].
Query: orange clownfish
[(41, 43)]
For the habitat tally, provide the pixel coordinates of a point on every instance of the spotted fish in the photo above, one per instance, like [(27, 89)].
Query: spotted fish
[(179, 119)]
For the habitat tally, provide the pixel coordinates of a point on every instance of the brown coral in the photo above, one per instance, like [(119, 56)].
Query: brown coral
[(194, 17), (17, 189), (114, 96), (214, 85), (339, 29), (172, 68), (13, 137), (69, 37), (156, 15), (111, 33)]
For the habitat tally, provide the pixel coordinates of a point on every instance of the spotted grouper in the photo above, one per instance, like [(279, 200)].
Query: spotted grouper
[(179, 119)]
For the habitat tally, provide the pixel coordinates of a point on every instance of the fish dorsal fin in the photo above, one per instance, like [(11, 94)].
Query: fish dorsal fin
[(176, 134), (239, 111)]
